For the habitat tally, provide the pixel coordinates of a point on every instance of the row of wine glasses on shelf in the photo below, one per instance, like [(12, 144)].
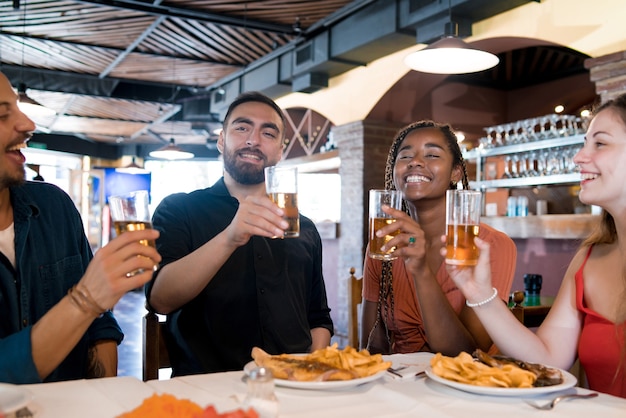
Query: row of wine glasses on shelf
[(546, 162), (533, 129)]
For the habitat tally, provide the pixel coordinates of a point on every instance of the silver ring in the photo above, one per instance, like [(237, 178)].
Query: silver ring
[(135, 272)]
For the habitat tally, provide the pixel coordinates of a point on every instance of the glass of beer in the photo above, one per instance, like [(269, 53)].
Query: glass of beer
[(281, 185), (378, 219), (130, 212), (463, 210)]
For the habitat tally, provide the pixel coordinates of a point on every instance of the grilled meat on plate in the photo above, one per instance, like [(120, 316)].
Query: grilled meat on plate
[(546, 376)]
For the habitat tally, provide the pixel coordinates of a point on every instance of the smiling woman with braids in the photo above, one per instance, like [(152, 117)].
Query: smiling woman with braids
[(410, 303)]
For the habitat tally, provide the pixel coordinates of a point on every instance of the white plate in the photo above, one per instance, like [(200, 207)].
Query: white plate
[(329, 385), (12, 398), (568, 381)]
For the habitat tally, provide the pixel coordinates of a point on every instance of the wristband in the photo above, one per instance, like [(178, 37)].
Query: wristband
[(83, 300), (483, 302)]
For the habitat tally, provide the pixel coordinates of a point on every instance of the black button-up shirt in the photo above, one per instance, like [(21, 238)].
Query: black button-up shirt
[(270, 293)]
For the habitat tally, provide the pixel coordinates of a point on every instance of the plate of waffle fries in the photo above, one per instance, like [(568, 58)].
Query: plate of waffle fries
[(324, 369), (497, 375)]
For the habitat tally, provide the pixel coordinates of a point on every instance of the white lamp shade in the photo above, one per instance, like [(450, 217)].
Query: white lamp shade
[(132, 168), (450, 55), (171, 152)]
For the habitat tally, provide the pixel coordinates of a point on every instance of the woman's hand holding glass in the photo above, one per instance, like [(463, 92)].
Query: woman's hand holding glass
[(473, 281), (409, 243)]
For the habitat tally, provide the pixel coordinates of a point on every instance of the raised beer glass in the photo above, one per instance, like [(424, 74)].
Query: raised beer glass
[(379, 219), (463, 210), (281, 185), (130, 212)]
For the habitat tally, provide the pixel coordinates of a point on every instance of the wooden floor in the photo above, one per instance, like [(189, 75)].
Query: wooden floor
[(129, 311)]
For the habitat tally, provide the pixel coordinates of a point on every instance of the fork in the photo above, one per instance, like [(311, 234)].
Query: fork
[(550, 405), (395, 371)]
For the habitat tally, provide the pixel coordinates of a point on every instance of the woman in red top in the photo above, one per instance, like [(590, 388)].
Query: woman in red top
[(587, 319), (410, 303)]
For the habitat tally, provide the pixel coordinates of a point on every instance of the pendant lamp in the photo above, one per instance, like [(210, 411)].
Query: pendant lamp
[(132, 168), (450, 54), (171, 152)]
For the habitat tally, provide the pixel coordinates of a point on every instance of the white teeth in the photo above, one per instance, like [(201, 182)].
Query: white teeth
[(17, 147), (588, 176), (417, 179), (256, 157)]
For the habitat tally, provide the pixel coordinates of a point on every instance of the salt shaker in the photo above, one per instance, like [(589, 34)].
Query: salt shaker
[(260, 394)]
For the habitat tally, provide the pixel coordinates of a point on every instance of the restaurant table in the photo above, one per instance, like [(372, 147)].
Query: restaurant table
[(388, 396)]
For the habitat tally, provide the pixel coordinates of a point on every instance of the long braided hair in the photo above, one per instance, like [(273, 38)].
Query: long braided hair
[(386, 300)]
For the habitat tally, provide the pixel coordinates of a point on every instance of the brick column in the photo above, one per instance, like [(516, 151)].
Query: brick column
[(608, 72), (363, 148)]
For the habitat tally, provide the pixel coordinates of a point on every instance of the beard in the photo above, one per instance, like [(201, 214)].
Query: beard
[(241, 172), (13, 179)]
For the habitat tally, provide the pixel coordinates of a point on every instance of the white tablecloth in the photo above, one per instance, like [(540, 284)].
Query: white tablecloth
[(93, 398), (386, 397)]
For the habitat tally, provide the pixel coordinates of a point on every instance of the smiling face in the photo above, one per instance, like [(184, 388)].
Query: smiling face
[(602, 161), (15, 129), (424, 165), (251, 141)]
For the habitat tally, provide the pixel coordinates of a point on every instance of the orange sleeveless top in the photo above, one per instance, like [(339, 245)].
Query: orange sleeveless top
[(407, 328)]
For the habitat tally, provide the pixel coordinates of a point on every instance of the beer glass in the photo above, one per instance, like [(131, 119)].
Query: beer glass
[(378, 219), (130, 212), (281, 184), (463, 209)]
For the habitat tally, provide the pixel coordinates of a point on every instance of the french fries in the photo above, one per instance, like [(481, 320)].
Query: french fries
[(361, 363), (326, 364), (464, 369)]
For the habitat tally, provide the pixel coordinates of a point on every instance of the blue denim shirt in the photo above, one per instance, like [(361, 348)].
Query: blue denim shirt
[(51, 255)]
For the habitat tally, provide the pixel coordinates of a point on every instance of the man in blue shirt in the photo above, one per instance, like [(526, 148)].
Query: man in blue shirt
[(226, 284), (55, 296)]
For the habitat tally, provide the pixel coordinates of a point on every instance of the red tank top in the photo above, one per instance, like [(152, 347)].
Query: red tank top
[(600, 345)]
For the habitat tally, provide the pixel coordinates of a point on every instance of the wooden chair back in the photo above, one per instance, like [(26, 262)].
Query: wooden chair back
[(517, 308), (530, 316), (355, 290), (155, 355)]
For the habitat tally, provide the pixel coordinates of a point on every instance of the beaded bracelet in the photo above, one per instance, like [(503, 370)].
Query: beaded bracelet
[(483, 302)]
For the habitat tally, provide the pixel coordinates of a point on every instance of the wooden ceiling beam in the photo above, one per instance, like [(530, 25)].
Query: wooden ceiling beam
[(195, 14)]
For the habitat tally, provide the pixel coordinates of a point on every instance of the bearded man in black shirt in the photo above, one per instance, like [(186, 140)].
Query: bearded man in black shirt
[(225, 283)]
